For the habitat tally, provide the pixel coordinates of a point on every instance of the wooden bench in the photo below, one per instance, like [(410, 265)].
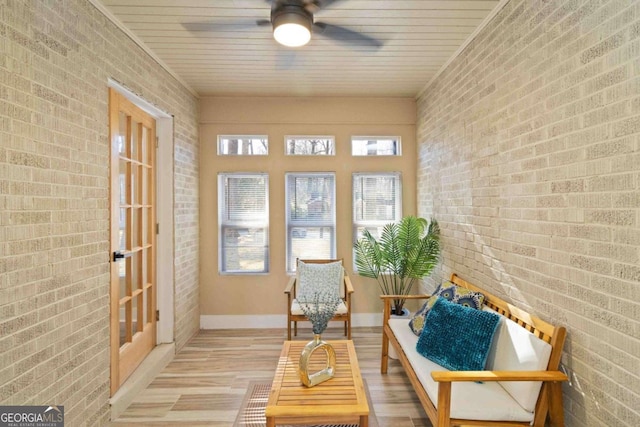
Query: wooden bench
[(549, 401)]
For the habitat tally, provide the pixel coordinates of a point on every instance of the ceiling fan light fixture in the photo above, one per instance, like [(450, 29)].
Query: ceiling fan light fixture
[(292, 28)]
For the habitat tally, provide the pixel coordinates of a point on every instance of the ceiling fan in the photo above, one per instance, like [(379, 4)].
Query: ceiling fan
[(293, 23)]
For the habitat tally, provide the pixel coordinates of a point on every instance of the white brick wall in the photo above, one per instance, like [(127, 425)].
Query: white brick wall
[(55, 60), (529, 156)]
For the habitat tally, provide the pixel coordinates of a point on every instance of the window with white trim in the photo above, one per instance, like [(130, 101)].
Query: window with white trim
[(243, 145), (377, 201), (310, 216), (310, 145), (375, 146), (243, 219)]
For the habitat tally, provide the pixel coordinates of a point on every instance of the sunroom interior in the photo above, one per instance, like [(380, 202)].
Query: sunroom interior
[(520, 135)]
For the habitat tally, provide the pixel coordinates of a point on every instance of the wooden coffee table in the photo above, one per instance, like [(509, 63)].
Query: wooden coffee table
[(341, 399)]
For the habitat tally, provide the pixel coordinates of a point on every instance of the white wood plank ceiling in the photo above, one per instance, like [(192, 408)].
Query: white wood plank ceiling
[(216, 47)]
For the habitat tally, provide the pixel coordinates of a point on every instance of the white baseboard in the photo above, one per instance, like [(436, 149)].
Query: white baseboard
[(274, 321), (159, 357)]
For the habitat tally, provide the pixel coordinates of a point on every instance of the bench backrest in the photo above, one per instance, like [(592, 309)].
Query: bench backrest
[(554, 335)]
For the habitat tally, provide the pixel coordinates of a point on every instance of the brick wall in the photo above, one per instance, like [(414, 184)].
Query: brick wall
[(55, 60), (529, 156)]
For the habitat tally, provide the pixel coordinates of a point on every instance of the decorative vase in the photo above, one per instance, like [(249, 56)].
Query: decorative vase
[(312, 379)]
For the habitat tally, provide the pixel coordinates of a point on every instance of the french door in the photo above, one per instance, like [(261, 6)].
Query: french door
[(133, 237)]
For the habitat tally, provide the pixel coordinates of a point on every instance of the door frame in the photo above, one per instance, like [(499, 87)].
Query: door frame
[(165, 244)]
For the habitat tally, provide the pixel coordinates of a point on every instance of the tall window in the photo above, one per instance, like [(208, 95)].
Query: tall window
[(377, 200), (243, 218), (311, 216)]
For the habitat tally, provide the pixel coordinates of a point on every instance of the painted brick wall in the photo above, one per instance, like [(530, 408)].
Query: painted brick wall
[(529, 156), (55, 60)]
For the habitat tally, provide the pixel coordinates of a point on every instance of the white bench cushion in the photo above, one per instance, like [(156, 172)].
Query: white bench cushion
[(516, 349), (469, 400)]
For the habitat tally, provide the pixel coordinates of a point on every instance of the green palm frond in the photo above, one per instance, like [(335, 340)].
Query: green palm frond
[(405, 252)]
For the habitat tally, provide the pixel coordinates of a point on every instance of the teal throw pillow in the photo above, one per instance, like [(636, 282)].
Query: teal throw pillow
[(457, 337)]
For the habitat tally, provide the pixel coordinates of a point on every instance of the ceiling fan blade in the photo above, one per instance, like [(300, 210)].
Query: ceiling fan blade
[(313, 6), (263, 22), (326, 3), (345, 35)]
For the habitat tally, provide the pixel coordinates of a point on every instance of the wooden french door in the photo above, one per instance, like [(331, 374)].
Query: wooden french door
[(133, 237)]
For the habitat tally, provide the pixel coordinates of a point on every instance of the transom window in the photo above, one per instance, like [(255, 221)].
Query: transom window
[(375, 146), (243, 218), (377, 200), (243, 145), (310, 145), (311, 216)]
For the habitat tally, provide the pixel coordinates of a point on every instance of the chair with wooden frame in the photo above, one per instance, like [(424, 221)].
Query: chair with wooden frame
[(295, 313)]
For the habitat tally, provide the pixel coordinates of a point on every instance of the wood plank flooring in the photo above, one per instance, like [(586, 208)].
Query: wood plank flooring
[(205, 383)]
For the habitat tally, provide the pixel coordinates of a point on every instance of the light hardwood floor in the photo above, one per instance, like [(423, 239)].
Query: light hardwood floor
[(206, 382)]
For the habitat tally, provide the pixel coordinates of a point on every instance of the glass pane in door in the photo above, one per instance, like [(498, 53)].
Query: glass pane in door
[(135, 227), (132, 274), (122, 140), (145, 309), (134, 316), (135, 140), (122, 229)]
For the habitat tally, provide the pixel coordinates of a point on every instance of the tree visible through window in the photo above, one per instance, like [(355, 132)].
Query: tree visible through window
[(243, 218), (243, 145), (310, 145), (311, 216)]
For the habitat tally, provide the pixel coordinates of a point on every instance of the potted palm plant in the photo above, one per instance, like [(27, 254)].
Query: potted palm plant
[(405, 252)]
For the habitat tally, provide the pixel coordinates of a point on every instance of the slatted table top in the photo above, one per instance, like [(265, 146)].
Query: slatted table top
[(341, 399)]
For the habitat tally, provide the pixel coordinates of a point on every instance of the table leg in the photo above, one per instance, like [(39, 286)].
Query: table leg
[(364, 421), (271, 422)]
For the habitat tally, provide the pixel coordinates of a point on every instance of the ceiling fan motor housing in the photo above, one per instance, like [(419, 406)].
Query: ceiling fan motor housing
[(291, 14)]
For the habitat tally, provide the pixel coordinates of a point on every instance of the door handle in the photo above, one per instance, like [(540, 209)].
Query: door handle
[(117, 255)]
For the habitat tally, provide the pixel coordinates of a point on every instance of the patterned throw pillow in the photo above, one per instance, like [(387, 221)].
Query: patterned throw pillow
[(450, 292), (324, 279), (417, 321), (459, 295)]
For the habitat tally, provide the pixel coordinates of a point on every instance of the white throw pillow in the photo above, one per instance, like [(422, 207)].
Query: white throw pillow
[(324, 278), (516, 349)]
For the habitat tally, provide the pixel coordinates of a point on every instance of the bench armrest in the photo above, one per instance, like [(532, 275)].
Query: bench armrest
[(453, 376), (445, 379), (387, 299)]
